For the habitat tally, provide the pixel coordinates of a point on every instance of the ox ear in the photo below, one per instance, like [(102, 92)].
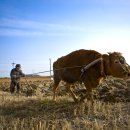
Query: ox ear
[(109, 53)]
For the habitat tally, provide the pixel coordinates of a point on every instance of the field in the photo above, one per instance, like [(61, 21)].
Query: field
[(34, 108)]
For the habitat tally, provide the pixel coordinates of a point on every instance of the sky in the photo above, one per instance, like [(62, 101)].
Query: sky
[(35, 32)]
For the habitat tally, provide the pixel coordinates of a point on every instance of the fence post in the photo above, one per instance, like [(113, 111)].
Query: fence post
[(50, 69)]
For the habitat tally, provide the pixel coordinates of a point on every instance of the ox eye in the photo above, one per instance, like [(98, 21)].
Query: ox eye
[(116, 61)]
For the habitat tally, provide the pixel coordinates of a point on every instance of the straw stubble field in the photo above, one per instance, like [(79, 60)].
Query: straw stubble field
[(34, 109)]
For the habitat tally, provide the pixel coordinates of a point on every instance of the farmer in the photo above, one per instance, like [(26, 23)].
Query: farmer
[(15, 75)]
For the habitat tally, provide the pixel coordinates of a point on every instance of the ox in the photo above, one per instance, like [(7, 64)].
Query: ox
[(88, 67)]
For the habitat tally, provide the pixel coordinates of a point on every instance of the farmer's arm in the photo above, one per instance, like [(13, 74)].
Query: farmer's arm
[(22, 74)]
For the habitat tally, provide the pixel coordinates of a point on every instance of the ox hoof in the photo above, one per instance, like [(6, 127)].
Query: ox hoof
[(54, 99), (76, 100), (82, 99)]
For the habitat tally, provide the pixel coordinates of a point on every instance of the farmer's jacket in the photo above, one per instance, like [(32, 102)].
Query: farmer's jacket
[(16, 74)]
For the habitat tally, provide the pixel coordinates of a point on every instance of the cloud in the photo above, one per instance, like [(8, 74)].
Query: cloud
[(13, 27)]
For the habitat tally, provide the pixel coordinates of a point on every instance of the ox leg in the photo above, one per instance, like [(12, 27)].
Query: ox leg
[(88, 95), (54, 91), (72, 93)]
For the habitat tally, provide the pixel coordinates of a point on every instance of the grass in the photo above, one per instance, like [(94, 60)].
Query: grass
[(40, 112)]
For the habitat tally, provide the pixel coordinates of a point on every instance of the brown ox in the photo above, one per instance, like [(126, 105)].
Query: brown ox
[(87, 66)]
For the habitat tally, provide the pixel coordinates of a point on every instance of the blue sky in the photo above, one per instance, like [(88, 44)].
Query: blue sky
[(32, 31)]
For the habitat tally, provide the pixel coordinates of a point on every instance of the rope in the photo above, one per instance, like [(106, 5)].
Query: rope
[(57, 69)]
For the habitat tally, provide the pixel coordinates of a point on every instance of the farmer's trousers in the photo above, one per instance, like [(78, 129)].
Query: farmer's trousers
[(14, 84)]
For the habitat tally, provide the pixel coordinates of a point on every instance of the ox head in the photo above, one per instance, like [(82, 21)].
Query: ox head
[(115, 65)]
